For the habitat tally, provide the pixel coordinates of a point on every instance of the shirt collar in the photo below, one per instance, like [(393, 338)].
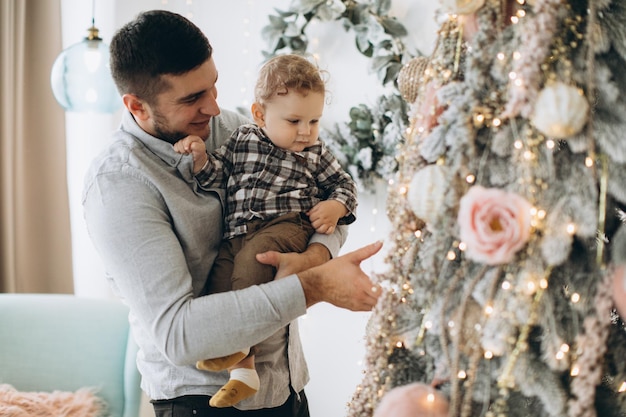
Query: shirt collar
[(163, 149)]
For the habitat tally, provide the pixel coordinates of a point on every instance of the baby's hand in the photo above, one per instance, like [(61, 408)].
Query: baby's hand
[(195, 146), (325, 215)]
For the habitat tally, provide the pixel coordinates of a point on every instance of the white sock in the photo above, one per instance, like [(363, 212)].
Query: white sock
[(247, 376)]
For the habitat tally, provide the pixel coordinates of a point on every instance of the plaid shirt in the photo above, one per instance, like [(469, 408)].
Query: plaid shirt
[(263, 181)]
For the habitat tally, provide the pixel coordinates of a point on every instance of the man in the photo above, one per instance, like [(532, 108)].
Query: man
[(158, 235)]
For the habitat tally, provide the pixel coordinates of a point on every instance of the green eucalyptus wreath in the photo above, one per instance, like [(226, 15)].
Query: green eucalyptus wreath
[(367, 144)]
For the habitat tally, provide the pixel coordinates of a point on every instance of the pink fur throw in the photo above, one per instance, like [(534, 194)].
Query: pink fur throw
[(82, 403)]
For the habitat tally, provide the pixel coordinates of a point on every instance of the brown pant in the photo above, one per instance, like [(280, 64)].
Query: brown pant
[(236, 266)]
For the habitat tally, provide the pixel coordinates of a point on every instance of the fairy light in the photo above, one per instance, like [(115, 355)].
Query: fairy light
[(451, 256), (518, 144), (506, 285), (543, 283), (248, 73), (575, 370), (403, 190), (588, 162), (571, 229), (512, 75), (430, 397), (470, 178), (488, 309), (575, 297), (496, 122), (462, 246), (428, 325), (514, 19), (559, 355), (418, 234), (517, 55), (500, 56), (622, 387), (550, 144), (462, 374), (189, 11), (488, 354)]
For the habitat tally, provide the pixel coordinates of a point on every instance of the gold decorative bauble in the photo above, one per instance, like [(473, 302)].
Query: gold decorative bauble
[(410, 78)]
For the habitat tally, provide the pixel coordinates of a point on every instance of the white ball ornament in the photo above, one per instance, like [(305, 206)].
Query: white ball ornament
[(560, 111), (427, 191), (412, 400)]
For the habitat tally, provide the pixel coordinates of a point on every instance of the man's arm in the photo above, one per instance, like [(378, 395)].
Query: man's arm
[(143, 255), (340, 281)]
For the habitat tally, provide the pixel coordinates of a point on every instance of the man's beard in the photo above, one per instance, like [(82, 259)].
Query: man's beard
[(162, 132)]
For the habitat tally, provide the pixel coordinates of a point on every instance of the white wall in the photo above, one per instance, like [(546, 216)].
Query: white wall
[(332, 338)]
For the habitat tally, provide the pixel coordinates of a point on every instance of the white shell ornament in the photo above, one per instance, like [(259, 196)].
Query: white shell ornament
[(461, 6), (427, 191), (560, 111)]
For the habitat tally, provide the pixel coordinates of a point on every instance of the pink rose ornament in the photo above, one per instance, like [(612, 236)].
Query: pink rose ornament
[(494, 224)]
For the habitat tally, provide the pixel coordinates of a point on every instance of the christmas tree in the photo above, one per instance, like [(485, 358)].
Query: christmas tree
[(505, 266)]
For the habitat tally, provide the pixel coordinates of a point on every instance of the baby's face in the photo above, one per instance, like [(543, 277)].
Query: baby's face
[(292, 121)]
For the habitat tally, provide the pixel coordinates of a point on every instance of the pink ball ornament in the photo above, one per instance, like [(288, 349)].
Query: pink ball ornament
[(619, 290), (413, 400)]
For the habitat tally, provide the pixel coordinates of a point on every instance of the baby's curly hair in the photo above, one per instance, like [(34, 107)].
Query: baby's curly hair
[(284, 73)]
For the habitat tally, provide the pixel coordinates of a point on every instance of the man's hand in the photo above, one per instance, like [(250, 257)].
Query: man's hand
[(292, 262), (342, 282)]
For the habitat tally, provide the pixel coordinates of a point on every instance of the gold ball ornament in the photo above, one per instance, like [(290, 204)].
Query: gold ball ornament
[(461, 6), (416, 399), (410, 78)]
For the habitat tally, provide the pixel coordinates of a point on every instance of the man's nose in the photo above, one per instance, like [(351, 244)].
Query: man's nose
[(210, 106)]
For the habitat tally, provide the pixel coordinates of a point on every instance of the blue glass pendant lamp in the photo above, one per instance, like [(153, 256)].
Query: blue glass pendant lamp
[(81, 79)]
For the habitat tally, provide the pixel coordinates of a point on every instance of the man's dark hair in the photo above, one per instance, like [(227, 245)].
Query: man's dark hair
[(157, 42)]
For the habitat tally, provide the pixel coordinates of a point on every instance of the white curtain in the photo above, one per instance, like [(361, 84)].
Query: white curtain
[(35, 246)]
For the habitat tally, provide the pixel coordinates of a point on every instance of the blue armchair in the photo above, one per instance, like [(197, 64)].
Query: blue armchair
[(64, 342)]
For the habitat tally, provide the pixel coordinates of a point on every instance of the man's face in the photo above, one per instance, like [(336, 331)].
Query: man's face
[(186, 107)]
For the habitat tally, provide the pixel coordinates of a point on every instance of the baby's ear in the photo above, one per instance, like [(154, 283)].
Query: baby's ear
[(258, 114)]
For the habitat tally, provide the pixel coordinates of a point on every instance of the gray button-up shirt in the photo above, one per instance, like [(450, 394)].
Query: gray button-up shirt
[(158, 235)]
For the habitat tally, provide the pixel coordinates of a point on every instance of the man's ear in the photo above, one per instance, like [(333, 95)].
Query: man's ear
[(258, 114), (136, 106)]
